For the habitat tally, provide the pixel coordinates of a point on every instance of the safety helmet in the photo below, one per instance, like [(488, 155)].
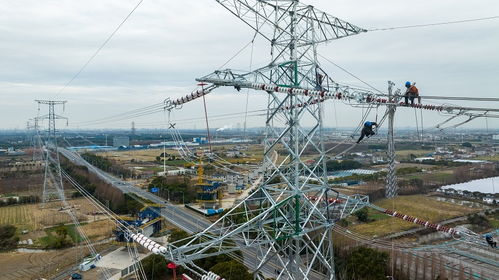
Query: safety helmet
[(407, 84)]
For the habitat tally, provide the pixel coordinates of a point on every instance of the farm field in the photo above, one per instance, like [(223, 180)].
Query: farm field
[(99, 229), (405, 165), (32, 217), (139, 155), (439, 175), (19, 215), (406, 153), (419, 206), (489, 158), (253, 156)]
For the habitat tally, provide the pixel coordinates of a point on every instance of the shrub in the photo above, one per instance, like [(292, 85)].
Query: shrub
[(8, 238), (366, 263), (362, 215)]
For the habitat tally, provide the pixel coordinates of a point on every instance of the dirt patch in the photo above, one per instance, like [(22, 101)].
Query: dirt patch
[(99, 230), (146, 155), (17, 266)]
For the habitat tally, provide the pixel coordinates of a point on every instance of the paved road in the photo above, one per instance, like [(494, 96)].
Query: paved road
[(181, 217)]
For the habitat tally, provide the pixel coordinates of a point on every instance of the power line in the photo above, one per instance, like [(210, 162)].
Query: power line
[(100, 48), (159, 105), (465, 98), (135, 115), (255, 113), (434, 24), (350, 73), (237, 53), (435, 97)]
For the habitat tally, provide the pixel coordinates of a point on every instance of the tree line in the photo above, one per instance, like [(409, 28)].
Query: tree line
[(108, 165), (20, 200), (176, 188), (107, 194)]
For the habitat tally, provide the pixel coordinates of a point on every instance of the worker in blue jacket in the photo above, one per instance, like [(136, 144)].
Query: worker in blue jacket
[(490, 240), (367, 130)]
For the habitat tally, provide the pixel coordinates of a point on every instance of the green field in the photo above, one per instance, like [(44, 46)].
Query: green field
[(441, 176), (51, 235), (420, 206), (490, 158), (406, 153)]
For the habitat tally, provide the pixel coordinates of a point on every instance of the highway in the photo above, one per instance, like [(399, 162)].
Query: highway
[(181, 217)]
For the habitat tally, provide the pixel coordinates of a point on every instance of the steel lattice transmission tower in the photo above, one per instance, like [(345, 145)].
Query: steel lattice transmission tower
[(52, 184), (36, 140), (285, 226), (391, 179), (33, 134)]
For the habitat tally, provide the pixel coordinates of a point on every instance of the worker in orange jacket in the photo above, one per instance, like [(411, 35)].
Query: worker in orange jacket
[(411, 93)]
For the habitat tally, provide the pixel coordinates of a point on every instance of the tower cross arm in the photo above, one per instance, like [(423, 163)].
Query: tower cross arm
[(327, 27), (59, 117), (266, 17), (55, 102)]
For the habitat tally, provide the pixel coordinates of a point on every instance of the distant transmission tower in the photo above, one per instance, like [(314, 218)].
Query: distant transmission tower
[(36, 141), (133, 129), (285, 226), (52, 184), (31, 136)]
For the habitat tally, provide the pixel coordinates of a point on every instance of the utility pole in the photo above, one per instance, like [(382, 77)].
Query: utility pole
[(52, 185), (391, 179)]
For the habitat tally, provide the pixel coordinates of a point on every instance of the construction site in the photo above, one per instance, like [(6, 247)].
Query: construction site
[(290, 168)]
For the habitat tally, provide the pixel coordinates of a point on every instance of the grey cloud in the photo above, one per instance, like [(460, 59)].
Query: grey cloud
[(166, 44)]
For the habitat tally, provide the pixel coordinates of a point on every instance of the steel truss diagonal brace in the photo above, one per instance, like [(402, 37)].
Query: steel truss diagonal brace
[(266, 17), (263, 226)]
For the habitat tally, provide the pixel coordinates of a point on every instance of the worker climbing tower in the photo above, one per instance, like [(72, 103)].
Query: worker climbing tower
[(287, 223)]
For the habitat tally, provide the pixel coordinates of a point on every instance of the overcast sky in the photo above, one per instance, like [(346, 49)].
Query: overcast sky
[(165, 45)]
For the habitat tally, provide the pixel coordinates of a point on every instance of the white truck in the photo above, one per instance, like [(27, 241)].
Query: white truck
[(89, 262)]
